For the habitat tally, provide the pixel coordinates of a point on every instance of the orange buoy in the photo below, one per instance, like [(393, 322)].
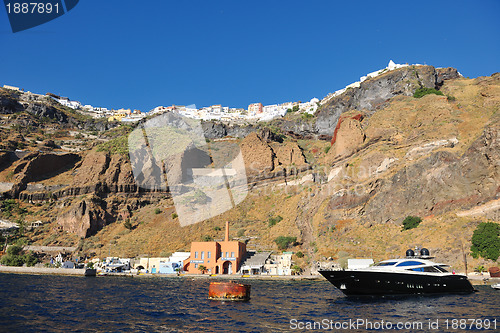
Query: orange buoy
[(228, 291)]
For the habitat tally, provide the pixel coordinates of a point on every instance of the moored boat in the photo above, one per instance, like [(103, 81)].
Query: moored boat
[(496, 286), (411, 275)]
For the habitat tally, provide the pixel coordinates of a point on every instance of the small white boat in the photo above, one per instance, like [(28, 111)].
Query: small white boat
[(496, 286)]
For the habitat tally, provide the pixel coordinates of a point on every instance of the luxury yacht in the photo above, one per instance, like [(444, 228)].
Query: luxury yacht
[(415, 274)]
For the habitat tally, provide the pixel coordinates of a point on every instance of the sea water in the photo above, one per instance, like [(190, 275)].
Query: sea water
[(41, 303)]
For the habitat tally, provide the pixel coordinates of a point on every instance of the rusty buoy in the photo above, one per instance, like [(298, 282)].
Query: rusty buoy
[(228, 291), (494, 271)]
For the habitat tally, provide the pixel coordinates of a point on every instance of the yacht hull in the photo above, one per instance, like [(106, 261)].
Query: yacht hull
[(373, 283)]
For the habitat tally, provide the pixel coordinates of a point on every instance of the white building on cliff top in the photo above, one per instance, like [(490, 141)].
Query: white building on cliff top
[(391, 66)]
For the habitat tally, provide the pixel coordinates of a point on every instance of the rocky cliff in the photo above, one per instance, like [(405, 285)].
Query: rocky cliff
[(83, 218), (374, 92), (441, 182), (265, 159), (41, 111), (369, 96)]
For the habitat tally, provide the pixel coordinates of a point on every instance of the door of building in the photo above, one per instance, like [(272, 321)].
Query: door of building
[(227, 268)]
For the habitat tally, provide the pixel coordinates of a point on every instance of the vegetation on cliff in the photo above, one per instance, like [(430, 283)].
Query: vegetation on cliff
[(16, 257), (411, 222), (421, 92), (486, 241)]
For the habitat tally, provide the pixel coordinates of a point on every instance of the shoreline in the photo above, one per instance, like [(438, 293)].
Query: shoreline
[(81, 272), (473, 278), (42, 271)]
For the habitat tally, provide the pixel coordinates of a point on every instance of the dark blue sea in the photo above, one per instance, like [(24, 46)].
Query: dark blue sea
[(36, 303)]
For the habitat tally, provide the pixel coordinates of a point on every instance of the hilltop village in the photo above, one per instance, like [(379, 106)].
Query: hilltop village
[(255, 111)]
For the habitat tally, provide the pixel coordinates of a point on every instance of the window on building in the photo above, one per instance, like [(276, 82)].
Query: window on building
[(227, 254), (195, 265), (196, 255), (202, 254), (209, 254), (232, 254)]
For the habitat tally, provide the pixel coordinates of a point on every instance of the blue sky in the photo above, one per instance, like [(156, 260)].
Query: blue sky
[(141, 54)]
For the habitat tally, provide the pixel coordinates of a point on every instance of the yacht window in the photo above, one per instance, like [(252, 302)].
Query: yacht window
[(431, 269), (419, 269), (389, 263), (410, 263), (441, 269)]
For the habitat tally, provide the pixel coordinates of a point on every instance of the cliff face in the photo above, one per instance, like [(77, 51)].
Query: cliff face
[(374, 92), (347, 137), (263, 158), (36, 166), (101, 173), (369, 96), (83, 218), (8, 103), (440, 183), (43, 112), (47, 111), (217, 130)]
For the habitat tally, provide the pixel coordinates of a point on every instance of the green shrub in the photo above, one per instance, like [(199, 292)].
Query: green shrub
[(30, 260), (299, 254), (296, 269), (157, 211), (284, 242), (480, 269), (174, 216), (14, 250), (327, 149), (14, 257), (127, 224), (207, 238), (273, 220), (420, 92), (411, 222), (486, 241), (12, 260), (117, 145), (10, 207)]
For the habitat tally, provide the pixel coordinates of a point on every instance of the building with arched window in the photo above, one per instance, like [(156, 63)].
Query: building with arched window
[(223, 257)]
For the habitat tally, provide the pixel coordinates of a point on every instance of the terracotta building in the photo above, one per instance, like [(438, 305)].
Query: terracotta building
[(255, 107), (217, 257)]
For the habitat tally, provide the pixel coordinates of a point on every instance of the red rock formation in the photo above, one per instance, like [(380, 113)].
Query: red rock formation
[(358, 117), (257, 154), (261, 156), (83, 218), (348, 136)]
